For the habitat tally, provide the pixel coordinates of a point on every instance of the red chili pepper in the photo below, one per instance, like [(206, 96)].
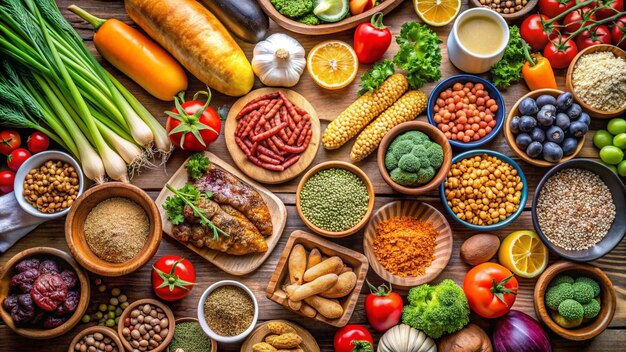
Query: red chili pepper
[(371, 40)]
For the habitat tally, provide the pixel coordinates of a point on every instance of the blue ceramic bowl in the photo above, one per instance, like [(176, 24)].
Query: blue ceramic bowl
[(506, 221), (493, 93)]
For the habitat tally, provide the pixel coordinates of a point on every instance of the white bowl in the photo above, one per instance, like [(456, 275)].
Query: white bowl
[(202, 319), (470, 62), (36, 161)]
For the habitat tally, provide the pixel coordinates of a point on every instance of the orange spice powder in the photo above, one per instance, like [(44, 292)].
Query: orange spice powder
[(405, 246)]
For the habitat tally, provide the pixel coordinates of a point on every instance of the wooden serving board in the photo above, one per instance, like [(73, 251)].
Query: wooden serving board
[(261, 331), (232, 264), (256, 172)]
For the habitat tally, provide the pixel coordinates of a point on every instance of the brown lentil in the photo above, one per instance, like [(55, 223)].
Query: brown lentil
[(146, 327), (575, 209), (52, 187), (96, 342), (504, 6), (483, 190), (116, 230), (228, 310)]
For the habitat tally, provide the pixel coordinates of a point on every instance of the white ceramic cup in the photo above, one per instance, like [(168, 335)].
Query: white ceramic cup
[(470, 62), (202, 320)]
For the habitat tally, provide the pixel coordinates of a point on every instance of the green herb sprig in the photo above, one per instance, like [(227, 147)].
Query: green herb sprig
[(509, 69), (197, 165)]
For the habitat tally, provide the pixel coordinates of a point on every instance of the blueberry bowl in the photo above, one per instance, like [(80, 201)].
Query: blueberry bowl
[(494, 94), (538, 160), (502, 223)]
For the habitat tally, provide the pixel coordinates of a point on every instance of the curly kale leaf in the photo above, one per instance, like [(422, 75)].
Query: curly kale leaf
[(419, 54), (509, 69)]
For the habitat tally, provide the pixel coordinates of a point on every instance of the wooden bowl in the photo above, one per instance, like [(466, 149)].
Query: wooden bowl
[(607, 297), (436, 136), (261, 331), (356, 260), (40, 334), (510, 136), (339, 165), (193, 320), (107, 332), (514, 17), (569, 85), (75, 223), (327, 28), (417, 210), (168, 312)]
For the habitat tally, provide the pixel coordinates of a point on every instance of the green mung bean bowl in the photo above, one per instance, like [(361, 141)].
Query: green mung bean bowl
[(348, 167)]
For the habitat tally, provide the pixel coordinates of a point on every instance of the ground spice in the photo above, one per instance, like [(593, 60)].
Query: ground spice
[(405, 246), (116, 230), (190, 337), (228, 310), (599, 79)]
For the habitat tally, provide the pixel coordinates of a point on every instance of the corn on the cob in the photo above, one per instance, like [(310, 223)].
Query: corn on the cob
[(407, 108), (363, 110)]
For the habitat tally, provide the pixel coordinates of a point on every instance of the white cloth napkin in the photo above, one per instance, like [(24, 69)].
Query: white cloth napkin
[(15, 223)]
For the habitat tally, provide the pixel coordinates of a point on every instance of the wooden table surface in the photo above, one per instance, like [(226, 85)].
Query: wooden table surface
[(327, 103)]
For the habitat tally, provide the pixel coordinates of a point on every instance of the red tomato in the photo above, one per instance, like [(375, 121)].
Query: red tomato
[(533, 33), (193, 125), (593, 36), (490, 289), (561, 54), (7, 178), (17, 158), (616, 7), (573, 20), (383, 307), (9, 140), (553, 8), (37, 142), (173, 277), (618, 33), (352, 338), (371, 40)]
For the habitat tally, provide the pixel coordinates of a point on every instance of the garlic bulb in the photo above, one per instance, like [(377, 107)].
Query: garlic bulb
[(403, 338), (279, 60)]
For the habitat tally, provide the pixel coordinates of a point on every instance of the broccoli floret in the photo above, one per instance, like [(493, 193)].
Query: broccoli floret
[(401, 148), (437, 310), (557, 294), (402, 177), (391, 162), (561, 279), (583, 293), (416, 137), (435, 155), (571, 310), (419, 151), (309, 19), (409, 163), (425, 174), (568, 324), (293, 8), (591, 309), (591, 282)]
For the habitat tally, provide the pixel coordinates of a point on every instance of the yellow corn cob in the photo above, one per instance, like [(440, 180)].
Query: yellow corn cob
[(363, 110), (407, 108)]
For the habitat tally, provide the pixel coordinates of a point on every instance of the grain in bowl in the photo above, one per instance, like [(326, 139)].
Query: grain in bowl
[(52, 187), (229, 310), (599, 79)]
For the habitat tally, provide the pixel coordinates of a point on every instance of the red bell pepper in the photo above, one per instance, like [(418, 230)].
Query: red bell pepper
[(371, 40)]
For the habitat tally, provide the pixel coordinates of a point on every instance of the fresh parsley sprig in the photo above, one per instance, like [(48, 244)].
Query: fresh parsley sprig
[(197, 165)]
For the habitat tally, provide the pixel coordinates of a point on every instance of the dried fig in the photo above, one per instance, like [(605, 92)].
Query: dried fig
[(24, 310), (49, 291), (69, 277), (27, 264), (24, 281), (52, 322), (48, 266)]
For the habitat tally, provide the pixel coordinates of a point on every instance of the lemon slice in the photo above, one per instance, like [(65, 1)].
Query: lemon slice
[(331, 10), (437, 13), (332, 64), (524, 254)]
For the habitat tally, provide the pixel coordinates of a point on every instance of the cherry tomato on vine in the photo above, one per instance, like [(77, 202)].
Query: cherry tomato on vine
[(574, 20), (9, 140), (593, 36), (353, 338), (173, 277), (383, 307), (616, 7), (7, 178), (533, 32), (553, 8), (560, 52), (17, 158), (491, 289), (37, 142), (618, 33), (193, 125)]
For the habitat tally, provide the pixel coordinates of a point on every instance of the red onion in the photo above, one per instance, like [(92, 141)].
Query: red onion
[(518, 332)]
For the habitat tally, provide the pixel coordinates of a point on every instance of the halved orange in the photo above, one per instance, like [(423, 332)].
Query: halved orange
[(437, 13), (332, 64)]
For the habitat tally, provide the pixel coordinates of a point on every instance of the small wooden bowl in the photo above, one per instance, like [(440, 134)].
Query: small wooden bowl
[(261, 331), (168, 313), (436, 136), (339, 165), (417, 210), (510, 136), (41, 334), (514, 17), (356, 260), (607, 296), (193, 320), (569, 85), (75, 223), (107, 332), (327, 28)]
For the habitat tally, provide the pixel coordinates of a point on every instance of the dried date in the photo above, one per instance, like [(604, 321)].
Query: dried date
[(49, 291), (71, 302), (24, 310), (69, 277), (27, 264), (9, 303), (52, 322), (24, 281), (49, 266)]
